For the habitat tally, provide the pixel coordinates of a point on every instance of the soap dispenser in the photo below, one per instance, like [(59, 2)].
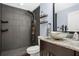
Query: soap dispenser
[(75, 36)]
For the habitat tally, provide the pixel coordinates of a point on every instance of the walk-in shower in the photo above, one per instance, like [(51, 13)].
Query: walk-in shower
[(15, 34)]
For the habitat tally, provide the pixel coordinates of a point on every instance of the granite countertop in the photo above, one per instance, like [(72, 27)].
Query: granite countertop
[(63, 43)]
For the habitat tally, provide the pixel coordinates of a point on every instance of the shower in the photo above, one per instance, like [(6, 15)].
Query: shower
[(16, 30)]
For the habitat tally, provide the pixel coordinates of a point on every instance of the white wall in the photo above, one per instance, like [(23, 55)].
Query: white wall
[(47, 8), (62, 6)]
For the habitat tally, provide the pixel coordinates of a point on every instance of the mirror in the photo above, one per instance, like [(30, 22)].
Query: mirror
[(73, 24), (66, 15)]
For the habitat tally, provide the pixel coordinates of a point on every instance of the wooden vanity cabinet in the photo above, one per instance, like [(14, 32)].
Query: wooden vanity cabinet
[(48, 49), (76, 53), (0, 27)]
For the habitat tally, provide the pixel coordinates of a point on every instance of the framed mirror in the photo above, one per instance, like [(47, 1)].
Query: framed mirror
[(66, 17)]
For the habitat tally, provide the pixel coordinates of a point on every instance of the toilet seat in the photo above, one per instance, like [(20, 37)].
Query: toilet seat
[(33, 49)]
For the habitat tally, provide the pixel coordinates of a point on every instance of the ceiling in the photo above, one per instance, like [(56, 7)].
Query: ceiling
[(25, 6), (33, 6), (62, 6)]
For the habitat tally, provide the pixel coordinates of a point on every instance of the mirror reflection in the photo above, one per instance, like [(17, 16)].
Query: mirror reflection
[(66, 17)]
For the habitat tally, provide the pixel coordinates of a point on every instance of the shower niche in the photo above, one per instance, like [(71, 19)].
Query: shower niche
[(2, 21), (4, 30)]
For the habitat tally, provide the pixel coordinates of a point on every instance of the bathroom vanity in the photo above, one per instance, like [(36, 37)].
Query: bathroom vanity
[(51, 47)]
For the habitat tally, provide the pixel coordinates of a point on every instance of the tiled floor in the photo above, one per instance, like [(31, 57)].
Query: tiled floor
[(15, 52)]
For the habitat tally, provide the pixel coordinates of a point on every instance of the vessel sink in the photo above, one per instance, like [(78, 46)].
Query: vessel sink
[(58, 35)]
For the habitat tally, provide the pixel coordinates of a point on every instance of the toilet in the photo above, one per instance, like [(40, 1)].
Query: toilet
[(34, 50)]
